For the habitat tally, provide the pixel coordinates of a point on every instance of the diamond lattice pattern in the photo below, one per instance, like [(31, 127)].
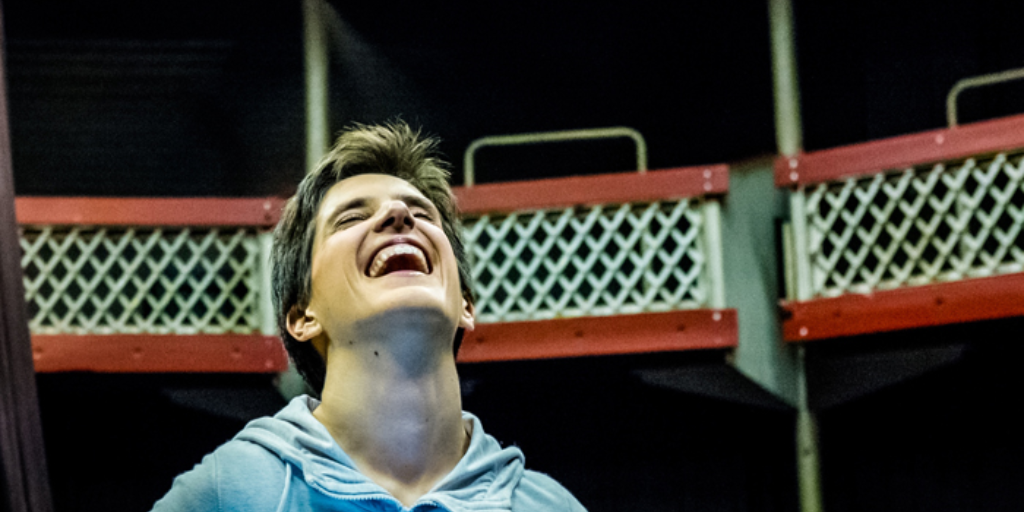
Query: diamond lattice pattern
[(594, 261), (919, 226), (94, 280)]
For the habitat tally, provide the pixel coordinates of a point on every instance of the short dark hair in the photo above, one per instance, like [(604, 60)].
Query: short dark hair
[(394, 149)]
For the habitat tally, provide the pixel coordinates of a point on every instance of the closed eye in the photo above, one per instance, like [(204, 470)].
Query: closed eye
[(423, 213), (345, 220)]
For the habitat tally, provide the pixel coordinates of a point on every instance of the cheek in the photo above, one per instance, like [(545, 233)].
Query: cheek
[(444, 249), (333, 266)]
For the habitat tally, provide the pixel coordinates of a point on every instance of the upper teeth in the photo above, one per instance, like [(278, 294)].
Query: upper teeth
[(380, 261)]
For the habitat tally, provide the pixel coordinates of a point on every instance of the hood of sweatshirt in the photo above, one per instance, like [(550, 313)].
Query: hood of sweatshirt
[(483, 481)]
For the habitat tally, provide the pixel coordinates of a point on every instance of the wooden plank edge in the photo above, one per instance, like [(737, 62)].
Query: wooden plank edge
[(986, 298), (655, 185), (898, 153), (696, 329), (152, 353), (149, 211)]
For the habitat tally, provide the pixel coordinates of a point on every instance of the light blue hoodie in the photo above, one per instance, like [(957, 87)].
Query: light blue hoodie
[(290, 462)]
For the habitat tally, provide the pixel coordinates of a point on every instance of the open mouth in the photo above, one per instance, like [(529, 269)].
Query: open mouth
[(397, 258)]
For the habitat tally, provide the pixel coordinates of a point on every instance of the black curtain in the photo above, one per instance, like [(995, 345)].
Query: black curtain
[(24, 485)]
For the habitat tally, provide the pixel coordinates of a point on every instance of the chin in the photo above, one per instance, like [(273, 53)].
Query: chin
[(415, 301)]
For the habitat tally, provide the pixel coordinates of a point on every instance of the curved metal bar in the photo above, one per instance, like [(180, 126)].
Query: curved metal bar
[(977, 81), (557, 136)]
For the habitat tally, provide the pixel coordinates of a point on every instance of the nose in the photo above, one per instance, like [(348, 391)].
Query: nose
[(396, 216)]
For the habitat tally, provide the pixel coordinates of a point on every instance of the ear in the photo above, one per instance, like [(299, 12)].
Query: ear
[(302, 325), (468, 318)]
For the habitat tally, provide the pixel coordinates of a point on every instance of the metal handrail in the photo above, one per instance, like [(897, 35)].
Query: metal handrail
[(977, 81), (556, 136)]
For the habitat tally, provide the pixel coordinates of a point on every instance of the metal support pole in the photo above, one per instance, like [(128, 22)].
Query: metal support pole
[(267, 320), (289, 383), (789, 139), (24, 477), (807, 462), (800, 268), (713, 250), (788, 131), (315, 45)]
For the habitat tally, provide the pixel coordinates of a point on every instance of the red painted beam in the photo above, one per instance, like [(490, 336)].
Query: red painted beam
[(901, 152), (969, 300), (141, 211), (605, 335), (576, 337), (151, 353), (658, 185)]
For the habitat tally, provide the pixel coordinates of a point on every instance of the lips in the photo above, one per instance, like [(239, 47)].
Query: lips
[(398, 257)]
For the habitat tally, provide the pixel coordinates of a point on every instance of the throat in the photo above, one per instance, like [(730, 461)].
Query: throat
[(404, 434), (391, 399)]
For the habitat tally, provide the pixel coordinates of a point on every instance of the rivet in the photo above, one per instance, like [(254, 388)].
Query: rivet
[(707, 185), (793, 176), (803, 331), (717, 316), (792, 163), (939, 139), (707, 174)]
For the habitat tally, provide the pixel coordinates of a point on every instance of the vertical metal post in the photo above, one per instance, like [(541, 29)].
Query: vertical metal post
[(265, 307), (23, 473), (801, 267), (808, 466), (713, 250), (789, 139), (315, 44), (788, 131), (314, 13)]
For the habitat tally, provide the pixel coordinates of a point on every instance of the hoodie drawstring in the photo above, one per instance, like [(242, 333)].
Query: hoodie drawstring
[(287, 484)]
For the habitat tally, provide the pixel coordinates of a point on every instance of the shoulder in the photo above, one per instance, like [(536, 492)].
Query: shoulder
[(238, 475), (539, 492)]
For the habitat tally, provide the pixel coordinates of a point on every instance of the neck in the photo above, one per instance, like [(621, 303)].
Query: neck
[(392, 400)]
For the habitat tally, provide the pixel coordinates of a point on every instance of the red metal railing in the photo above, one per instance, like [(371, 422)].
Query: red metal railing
[(254, 351), (260, 351), (688, 329), (939, 303)]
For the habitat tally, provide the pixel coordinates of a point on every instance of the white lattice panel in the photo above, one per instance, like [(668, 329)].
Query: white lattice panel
[(924, 225), (602, 260), (97, 280)]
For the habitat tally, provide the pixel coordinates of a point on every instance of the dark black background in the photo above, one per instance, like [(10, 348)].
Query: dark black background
[(98, 109)]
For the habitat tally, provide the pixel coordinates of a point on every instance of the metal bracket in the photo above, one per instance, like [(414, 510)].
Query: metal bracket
[(557, 136), (977, 81)]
